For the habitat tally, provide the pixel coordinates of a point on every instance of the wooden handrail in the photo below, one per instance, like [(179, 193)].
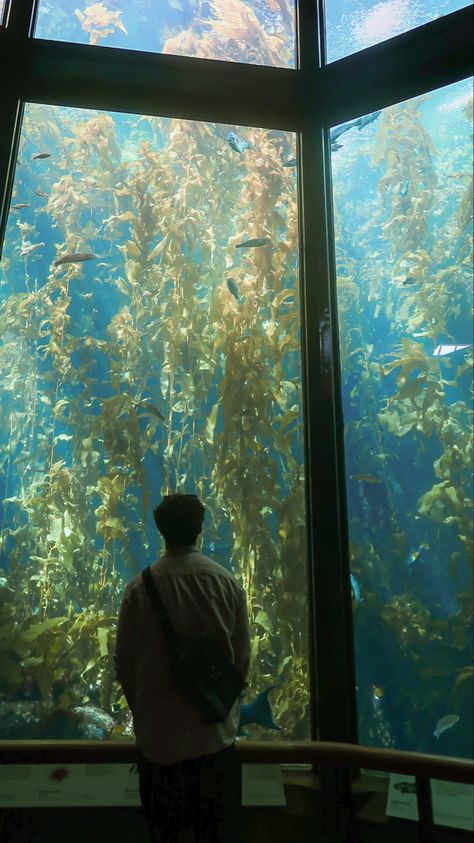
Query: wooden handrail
[(251, 752)]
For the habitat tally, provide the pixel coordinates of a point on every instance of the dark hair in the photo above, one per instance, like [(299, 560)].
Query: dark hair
[(179, 518)]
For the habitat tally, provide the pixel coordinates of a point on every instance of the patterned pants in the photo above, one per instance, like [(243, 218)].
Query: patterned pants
[(194, 801)]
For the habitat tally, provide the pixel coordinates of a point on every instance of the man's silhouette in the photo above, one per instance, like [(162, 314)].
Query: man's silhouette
[(189, 772)]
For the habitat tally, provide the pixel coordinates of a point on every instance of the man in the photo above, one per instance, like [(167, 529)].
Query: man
[(189, 773)]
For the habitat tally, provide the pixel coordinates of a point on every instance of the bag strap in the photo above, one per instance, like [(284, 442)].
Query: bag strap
[(155, 597)]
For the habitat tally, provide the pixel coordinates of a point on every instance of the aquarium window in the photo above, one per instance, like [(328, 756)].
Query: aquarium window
[(351, 27), (150, 318), (402, 195), (247, 31)]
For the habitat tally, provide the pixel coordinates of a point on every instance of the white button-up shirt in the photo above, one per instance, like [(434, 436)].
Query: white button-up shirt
[(199, 595)]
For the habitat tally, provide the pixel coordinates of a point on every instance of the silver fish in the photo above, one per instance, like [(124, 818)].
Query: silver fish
[(27, 250), (444, 723), (414, 553), (252, 244), (75, 257)]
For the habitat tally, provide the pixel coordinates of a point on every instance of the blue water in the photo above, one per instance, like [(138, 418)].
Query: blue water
[(89, 346), (135, 373), (403, 209), (254, 31), (244, 30), (353, 26)]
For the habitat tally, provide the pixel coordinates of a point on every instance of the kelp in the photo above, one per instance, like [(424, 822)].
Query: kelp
[(404, 286), (234, 32), (431, 653), (99, 21), (179, 383), (61, 658)]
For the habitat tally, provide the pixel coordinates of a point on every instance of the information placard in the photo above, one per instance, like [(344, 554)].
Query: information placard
[(452, 802), (262, 784), (75, 785), (68, 785)]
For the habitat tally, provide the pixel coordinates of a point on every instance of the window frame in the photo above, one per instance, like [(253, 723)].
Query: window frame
[(307, 100)]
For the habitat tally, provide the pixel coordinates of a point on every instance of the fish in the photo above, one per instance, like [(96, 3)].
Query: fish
[(359, 123), (252, 244), (364, 478), (290, 163), (368, 118), (443, 350), (27, 250), (41, 155), (41, 194), (59, 774), (20, 205), (409, 280), (151, 409), (355, 590), (405, 787), (414, 553), (237, 143), (258, 711), (337, 131), (444, 723), (75, 257), (232, 285), (405, 187)]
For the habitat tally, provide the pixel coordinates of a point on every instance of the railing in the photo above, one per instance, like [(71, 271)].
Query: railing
[(335, 760)]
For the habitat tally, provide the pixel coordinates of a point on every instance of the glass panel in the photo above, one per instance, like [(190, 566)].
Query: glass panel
[(248, 31), (403, 228), (150, 309), (351, 27)]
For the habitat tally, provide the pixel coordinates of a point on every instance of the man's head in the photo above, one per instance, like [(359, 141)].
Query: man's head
[(179, 519)]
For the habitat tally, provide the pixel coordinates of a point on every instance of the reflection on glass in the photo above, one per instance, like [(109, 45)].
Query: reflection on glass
[(248, 31), (351, 27), (403, 227), (150, 317)]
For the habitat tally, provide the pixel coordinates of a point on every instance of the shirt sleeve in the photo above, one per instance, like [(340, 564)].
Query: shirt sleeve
[(241, 636), (124, 657)]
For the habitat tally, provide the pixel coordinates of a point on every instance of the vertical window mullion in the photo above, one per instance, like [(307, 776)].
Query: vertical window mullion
[(20, 18), (331, 635), (10, 119)]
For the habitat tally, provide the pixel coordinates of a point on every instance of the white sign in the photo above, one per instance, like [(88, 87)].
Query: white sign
[(452, 802), (68, 785), (262, 784), (75, 785)]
